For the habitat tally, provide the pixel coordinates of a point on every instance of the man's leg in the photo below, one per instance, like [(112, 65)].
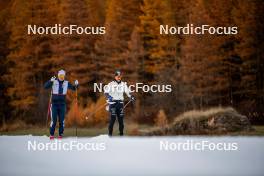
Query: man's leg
[(120, 118), (62, 110), (112, 111), (53, 119)]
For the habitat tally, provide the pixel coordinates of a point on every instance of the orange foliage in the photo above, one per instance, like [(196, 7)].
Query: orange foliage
[(92, 115)]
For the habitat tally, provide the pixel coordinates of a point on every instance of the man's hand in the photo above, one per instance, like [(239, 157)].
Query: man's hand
[(110, 98), (76, 82), (132, 98), (53, 79)]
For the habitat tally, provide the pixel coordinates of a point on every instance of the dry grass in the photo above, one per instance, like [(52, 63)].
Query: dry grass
[(17, 125), (218, 120), (92, 115), (204, 114)]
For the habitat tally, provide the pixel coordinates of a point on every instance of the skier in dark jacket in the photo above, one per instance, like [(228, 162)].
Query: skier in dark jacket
[(58, 107)]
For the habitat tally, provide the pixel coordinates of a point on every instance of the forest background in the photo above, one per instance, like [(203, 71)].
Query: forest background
[(204, 70)]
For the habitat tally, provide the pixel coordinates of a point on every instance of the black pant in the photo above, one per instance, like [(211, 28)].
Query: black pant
[(116, 110)]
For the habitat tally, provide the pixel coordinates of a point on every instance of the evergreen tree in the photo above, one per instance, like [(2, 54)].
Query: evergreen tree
[(21, 58), (248, 17), (73, 52), (206, 63), (27, 57), (159, 50), (4, 35), (121, 17)]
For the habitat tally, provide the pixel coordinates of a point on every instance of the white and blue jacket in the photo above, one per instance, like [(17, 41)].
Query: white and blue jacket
[(59, 90)]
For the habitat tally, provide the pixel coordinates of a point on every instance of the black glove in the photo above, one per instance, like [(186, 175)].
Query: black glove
[(132, 98)]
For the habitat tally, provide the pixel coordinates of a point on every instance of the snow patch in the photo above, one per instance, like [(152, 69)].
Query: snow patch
[(131, 156)]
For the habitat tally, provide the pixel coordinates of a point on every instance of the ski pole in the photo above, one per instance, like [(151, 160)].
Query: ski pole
[(76, 110), (126, 104), (49, 109), (49, 113)]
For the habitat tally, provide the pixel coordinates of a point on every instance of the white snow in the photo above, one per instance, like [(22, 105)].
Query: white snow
[(131, 156)]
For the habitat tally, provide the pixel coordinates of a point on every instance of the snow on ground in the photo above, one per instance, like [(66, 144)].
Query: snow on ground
[(130, 156)]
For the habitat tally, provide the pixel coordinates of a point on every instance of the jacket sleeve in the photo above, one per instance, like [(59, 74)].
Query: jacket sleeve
[(72, 87), (48, 84), (106, 90), (127, 90)]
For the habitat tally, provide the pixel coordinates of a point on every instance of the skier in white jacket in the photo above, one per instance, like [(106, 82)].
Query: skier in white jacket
[(114, 93)]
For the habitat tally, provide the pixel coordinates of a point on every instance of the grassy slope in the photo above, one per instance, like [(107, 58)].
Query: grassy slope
[(130, 128), (67, 131), (259, 131)]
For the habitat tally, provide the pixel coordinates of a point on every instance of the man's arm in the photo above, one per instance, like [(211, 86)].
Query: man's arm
[(127, 90), (106, 92), (72, 87), (48, 84)]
